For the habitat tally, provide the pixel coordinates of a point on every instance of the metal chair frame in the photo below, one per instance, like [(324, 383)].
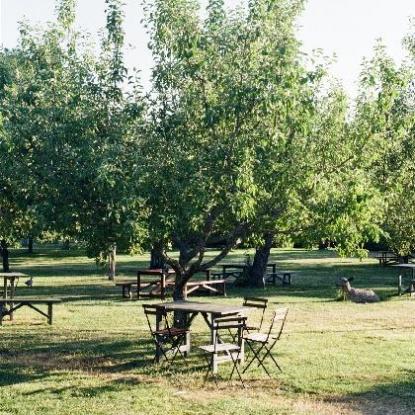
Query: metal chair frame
[(259, 303), (168, 336), (262, 349), (220, 324)]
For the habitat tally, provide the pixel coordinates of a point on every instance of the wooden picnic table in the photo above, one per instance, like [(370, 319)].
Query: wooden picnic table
[(161, 283), (32, 302), (272, 265), (411, 289), (162, 274), (209, 311), (10, 280)]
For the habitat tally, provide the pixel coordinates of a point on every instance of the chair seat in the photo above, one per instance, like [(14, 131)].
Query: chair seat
[(257, 337), (252, 328), (223, 347), (173, 331)]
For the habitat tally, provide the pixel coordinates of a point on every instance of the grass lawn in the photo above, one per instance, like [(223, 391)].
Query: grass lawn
[(338, 357)]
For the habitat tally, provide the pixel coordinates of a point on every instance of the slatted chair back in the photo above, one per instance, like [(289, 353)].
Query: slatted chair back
[(279, 316), (259, 303), (227, 324), (151, 312)]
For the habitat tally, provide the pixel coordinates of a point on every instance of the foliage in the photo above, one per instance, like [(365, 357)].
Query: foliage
[(385, 120), (71, 132)]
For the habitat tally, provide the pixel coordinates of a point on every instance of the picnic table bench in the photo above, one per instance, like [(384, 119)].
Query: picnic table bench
[(411, 287), (32, 302), (209, 286), (390, 258), (158, 287), (284, 276), (10, 281), (387, 258)]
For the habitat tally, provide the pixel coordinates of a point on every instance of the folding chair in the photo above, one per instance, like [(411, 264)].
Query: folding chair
[(222, 351), (260, 304), (168, 339), (261, 344)]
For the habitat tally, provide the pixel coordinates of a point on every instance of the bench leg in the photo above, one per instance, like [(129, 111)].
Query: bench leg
[(50, 313)]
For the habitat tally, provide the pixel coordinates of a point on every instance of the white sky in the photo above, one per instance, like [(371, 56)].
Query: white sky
[(347, 28)]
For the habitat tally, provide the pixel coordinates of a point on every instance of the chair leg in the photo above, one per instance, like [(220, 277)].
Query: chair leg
[(210, 370), (268, 353), (235, 366), (272, 358), (255, 356)]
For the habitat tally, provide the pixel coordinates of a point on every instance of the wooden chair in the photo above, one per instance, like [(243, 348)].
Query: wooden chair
[(260, 304), (168, 339), (261, 344), (230, 351)]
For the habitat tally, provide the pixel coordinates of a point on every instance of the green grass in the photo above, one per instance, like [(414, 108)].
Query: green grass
[(338, 357)]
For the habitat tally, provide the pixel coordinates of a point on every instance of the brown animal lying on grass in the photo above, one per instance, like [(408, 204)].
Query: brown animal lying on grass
[(357, 295)]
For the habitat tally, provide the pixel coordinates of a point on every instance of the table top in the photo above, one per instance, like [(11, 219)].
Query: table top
[(209, 308), (33, 300), (12, 274), (405, 266), (230, 265), (155, 271)]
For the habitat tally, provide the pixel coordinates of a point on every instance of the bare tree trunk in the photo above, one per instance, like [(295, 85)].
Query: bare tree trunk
[(259, 266), (30, 245), (157, 259), (4, 250), (179, 294), (112, 258)]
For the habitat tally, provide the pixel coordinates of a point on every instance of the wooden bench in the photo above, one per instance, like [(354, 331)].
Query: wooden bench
[(126, 287), (211, 286), (18, 302), (284, 276), (387, 258)]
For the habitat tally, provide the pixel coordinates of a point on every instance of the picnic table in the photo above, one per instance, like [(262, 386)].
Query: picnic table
[(209, 311), (411, 289), (32, 302), (157, 285), (10, 281), (242, 267)]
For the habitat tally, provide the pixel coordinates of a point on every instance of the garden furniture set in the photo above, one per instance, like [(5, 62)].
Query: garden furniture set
[(230, 329)]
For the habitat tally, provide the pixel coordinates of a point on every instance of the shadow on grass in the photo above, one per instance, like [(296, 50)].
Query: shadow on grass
[(397, 398), (313, 281)]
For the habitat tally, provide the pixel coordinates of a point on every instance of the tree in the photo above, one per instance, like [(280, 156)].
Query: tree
[(232, 118), (68, 119), (385, 118)]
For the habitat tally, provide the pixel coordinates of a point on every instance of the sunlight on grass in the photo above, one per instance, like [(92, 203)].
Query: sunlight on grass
[(337, 357)]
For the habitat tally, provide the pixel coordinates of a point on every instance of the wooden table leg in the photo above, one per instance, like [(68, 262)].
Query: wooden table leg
[(158, 321), (50, 313), (213, 338), (138, 285), (12, 291), (163, 286), (241, 344)]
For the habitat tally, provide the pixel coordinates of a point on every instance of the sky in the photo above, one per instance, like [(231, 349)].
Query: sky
[(347, 29)]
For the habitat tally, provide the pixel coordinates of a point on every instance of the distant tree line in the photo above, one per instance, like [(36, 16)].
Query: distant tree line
[(241, 139)]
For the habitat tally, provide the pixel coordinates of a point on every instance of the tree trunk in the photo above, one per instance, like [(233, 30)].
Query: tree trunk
[(30, 245), (179, 294), (112, 259), (4, 250), (157, 260), (259, 266)]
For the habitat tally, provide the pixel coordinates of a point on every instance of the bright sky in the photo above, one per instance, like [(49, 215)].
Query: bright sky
[(347, 28)]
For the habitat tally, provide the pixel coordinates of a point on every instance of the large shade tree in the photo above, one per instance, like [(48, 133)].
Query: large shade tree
[(232, 148)]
